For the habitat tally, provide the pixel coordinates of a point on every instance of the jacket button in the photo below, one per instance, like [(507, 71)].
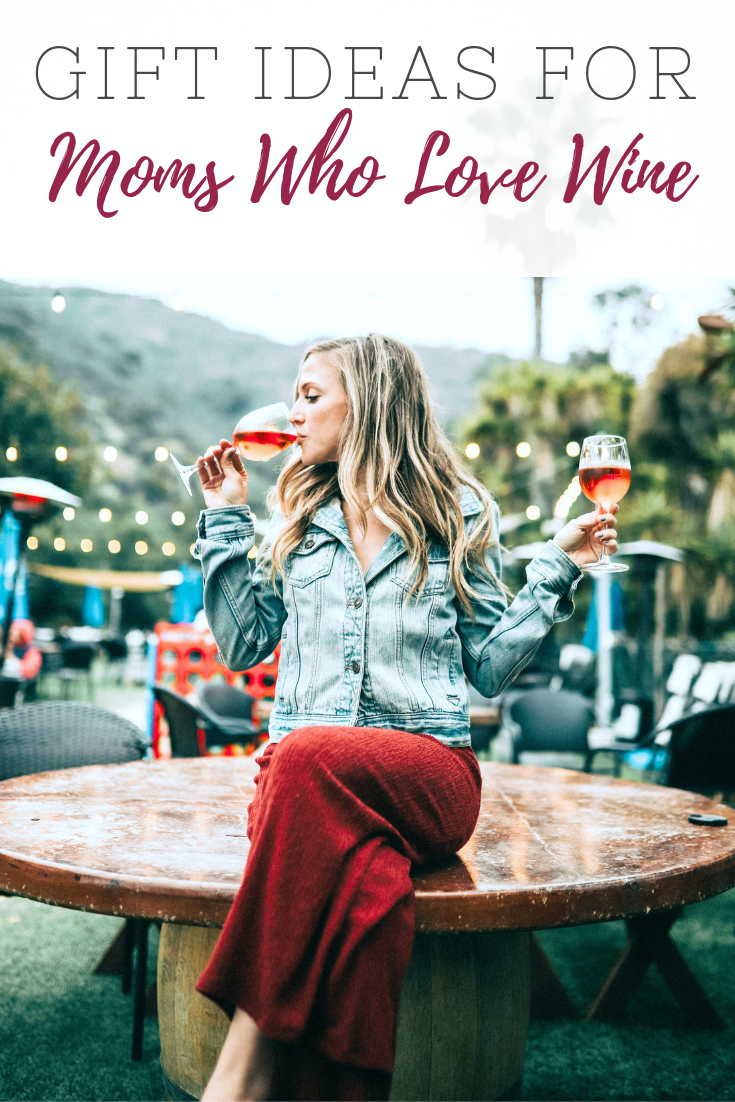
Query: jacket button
[(309, 543), (357, 602), (354, 666)]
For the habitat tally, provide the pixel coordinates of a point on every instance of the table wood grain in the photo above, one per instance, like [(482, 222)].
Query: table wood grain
[(166, 840)]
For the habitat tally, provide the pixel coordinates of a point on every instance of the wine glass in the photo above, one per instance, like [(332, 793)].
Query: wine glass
[(604, 475), (258, 436)]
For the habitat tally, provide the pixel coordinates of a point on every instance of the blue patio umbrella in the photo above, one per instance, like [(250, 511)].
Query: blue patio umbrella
[(12, 569), (20, 604), (32, 501), (188, 595), (93, 607), (617, 618)]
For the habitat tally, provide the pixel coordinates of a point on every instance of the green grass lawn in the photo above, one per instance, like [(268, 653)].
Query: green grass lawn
[(654, 1054), (65, 1033)]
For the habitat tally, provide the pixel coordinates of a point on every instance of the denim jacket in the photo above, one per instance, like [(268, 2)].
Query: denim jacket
[(354, 651)]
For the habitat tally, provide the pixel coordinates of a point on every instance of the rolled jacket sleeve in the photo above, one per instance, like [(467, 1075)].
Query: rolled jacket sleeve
[(502, 639), (244, 608)]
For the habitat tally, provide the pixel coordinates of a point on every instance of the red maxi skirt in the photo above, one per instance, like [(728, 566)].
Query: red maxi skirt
[(318, 940)]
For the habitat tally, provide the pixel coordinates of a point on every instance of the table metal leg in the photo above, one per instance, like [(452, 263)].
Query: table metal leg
[(127, 961), (141, 967)]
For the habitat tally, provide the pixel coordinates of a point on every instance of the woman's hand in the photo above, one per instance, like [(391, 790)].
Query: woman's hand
[(224, 479), (587, 536)]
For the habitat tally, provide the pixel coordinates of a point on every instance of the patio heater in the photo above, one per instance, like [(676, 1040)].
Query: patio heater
[(31, 500), (650, 567), (604, 698)]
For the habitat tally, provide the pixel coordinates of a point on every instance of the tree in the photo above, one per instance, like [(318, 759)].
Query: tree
[(546, 406), (37, 417), (682, 437)]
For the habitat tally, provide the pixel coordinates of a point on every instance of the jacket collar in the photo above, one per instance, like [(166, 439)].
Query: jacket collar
[(330, 518), (469, 502)]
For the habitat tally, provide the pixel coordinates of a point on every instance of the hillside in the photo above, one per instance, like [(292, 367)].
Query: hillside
[(149, 375)]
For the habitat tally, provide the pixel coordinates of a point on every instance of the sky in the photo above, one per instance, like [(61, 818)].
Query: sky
[(494, 314)]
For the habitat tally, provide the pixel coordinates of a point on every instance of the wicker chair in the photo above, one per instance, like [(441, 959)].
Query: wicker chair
[(63, 735)]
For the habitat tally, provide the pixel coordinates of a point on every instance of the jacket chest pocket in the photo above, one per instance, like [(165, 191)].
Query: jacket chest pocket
[(312, 559), (436, 582)]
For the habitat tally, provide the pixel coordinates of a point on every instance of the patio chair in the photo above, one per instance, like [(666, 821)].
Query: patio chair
[(115, 650), (59, 734), (228, 712), (9, 689), (542, 720), (183, 721), (186, 719), (701, 752), (62, 735), (700, 757), (76, 667)]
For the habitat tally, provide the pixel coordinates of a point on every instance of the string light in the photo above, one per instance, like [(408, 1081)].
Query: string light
[(105, 515), (523, 450), (59, 544), (31, 543), (533, 512), (567, 499), (113, 547), (58, 304), (169, 548), (69, 513), (141, 517), (109, 454), (573, 449), (141, 548), (178, 518), (11, 454), (62, 454), (161, 455), (472, 451), (87, 545)]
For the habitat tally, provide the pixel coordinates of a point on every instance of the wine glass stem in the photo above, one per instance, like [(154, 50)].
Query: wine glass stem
[(604, 559)]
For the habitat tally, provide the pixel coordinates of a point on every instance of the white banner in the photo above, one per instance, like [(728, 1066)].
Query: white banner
[(406, 138)]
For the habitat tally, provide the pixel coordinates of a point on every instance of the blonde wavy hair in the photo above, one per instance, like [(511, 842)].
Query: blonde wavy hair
[(392, 437)]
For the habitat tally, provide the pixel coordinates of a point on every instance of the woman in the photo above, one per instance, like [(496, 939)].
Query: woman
[(381, 578)]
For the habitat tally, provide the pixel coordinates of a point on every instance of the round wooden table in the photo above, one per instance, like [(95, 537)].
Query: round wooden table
[(166, 841)]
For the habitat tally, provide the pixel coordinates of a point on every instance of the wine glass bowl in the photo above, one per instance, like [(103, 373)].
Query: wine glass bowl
[(264, 433), (258, 436), (604, 475)]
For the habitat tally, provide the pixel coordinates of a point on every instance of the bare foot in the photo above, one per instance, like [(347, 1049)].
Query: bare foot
[(244, 1071)]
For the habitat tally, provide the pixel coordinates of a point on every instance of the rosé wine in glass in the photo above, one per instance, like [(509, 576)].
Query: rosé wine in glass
[(604, 475), (604, 485), (258, 436), (257, 446)]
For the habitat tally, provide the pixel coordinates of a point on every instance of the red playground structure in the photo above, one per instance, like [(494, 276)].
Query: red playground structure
[(186, 656)]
